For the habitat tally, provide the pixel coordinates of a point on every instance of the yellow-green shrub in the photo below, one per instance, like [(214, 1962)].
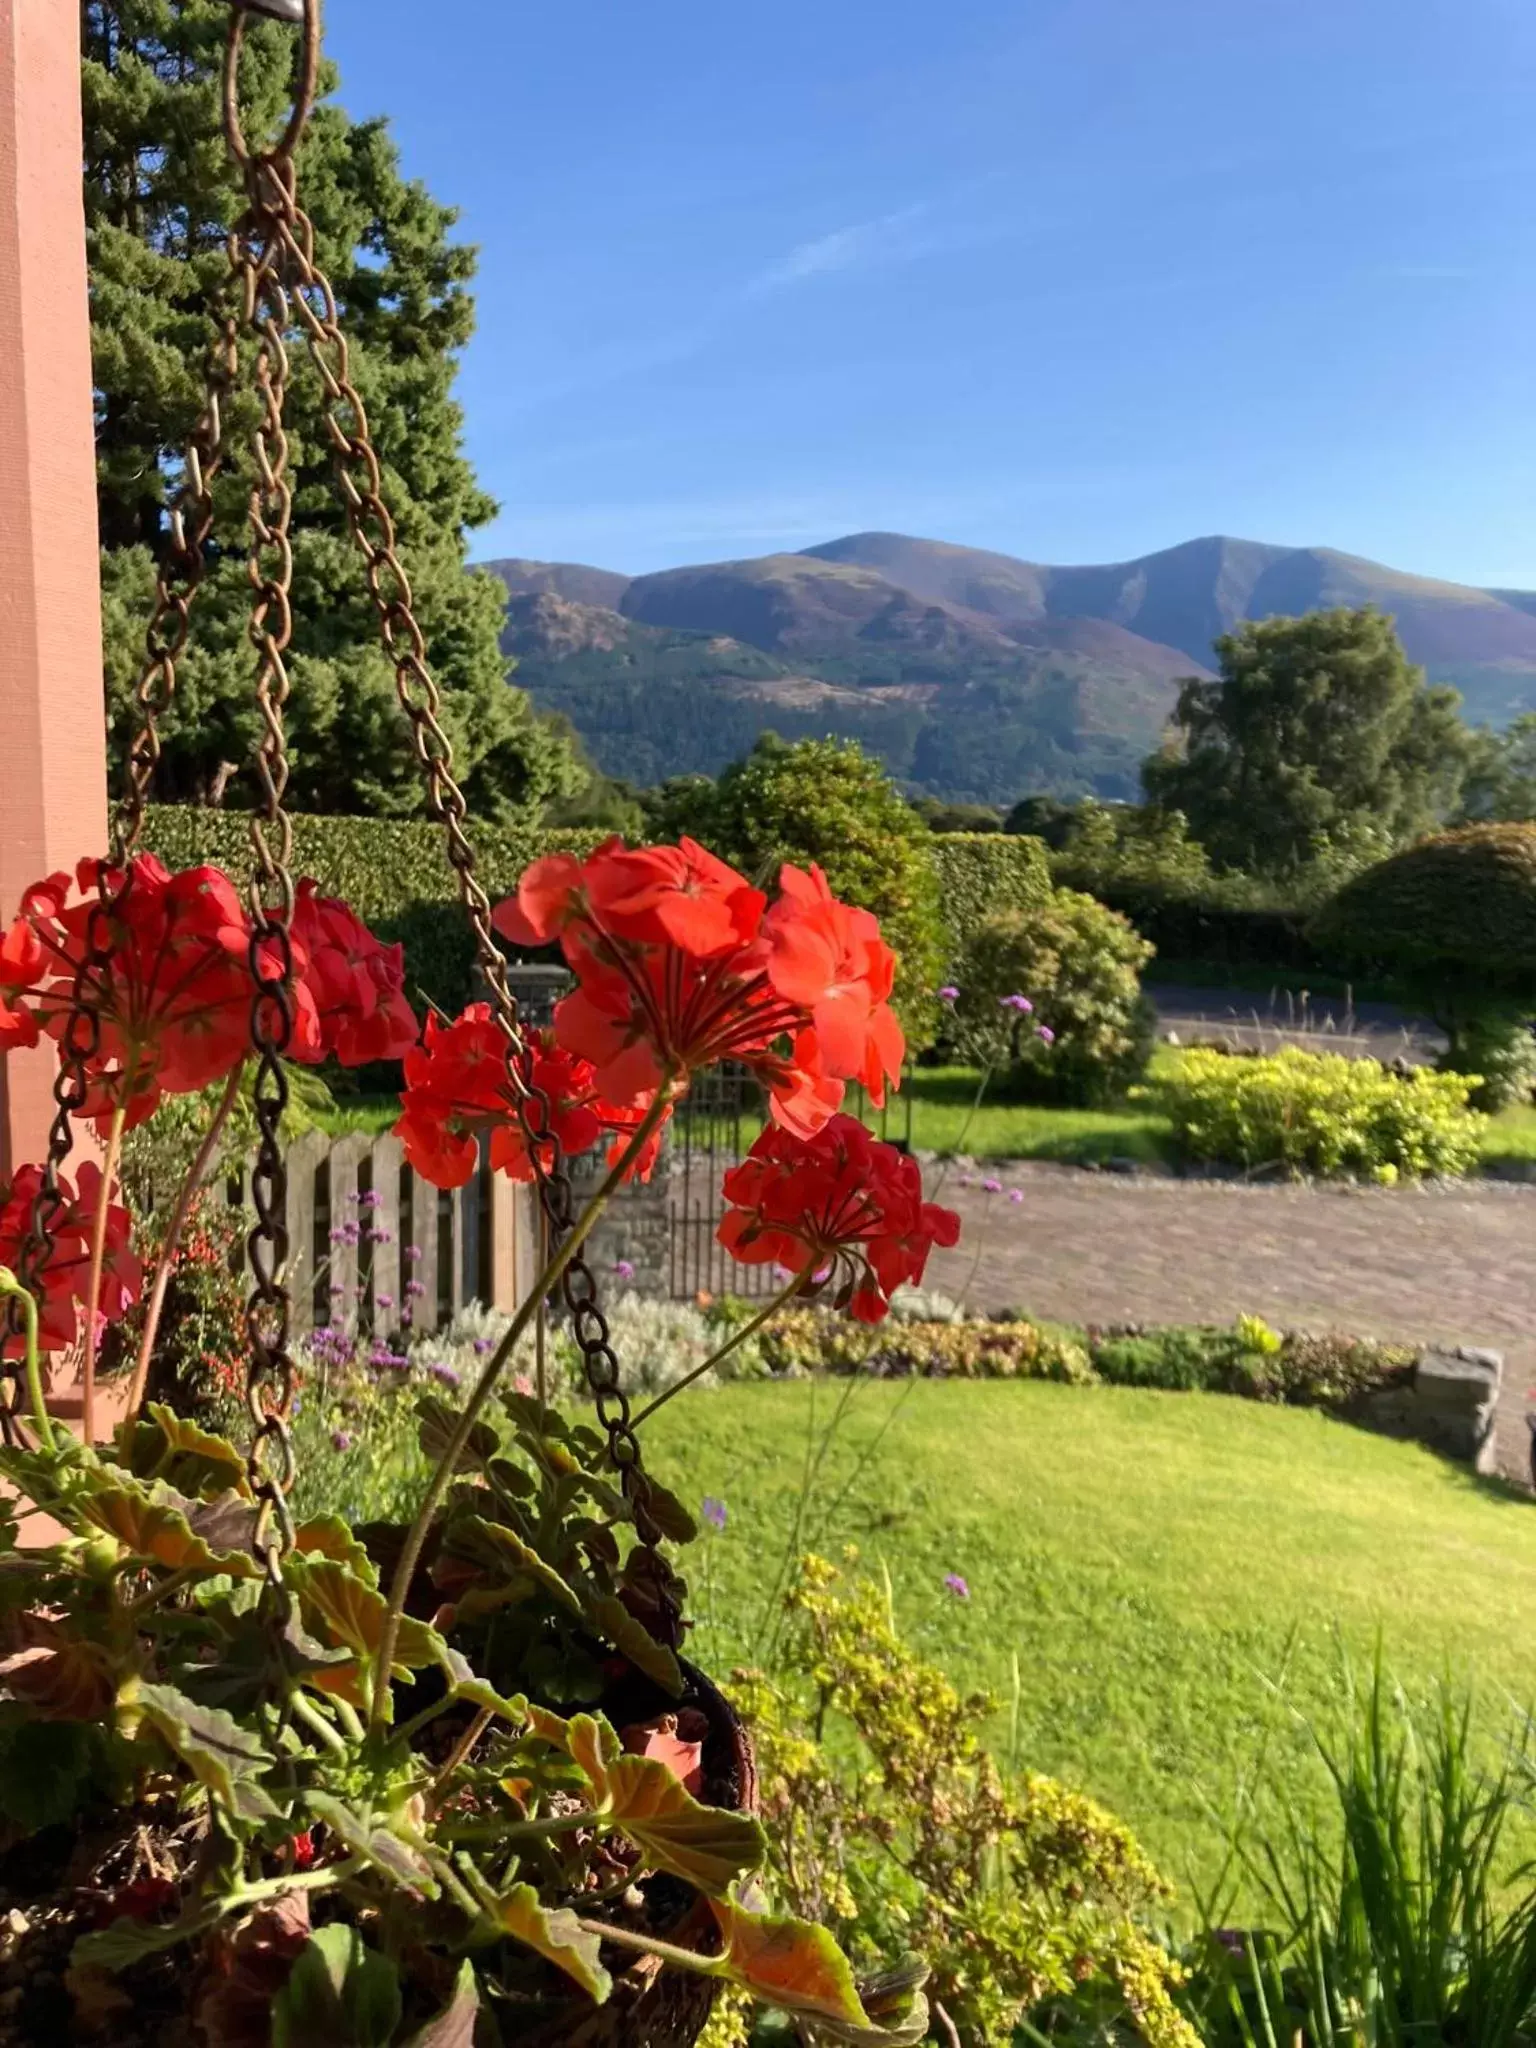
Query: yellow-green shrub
[(1319, 1113), (806, 1340)]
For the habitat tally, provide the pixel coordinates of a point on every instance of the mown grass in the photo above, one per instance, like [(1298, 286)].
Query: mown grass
[(945, 1118), (1158, 1583)]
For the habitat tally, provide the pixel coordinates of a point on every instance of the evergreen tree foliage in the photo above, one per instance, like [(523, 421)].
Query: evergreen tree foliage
[(1318, 744), (160, 197)]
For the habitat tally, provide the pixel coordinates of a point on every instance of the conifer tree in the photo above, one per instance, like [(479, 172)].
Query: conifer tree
[(160, 197)]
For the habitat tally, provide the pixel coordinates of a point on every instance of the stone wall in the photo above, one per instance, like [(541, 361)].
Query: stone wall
[(1451, 1404)]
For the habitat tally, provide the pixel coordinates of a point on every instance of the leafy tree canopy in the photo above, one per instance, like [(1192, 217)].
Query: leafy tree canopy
[(1501, 778), (826, 801), (1319, 743), (159, 197)]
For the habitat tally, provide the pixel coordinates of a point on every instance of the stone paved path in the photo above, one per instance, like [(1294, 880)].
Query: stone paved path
[(1454, 1263)]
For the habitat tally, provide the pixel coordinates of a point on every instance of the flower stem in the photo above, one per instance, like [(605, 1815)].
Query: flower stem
[(749, 1329), (190, 1187), (41, 1421), (415, 1542), (647, 1945), (98, 1260)]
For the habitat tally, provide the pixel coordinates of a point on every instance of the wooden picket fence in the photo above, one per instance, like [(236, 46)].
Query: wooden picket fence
[(369, 1239)]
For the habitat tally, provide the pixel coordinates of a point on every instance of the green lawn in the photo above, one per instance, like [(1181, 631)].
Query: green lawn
[(1154, 1562), (945, 1119)]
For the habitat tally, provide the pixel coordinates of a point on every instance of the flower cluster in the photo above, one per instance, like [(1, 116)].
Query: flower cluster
[(840, 1203), (64, 1279), (458, 1085), (175, 996), (681, 963)]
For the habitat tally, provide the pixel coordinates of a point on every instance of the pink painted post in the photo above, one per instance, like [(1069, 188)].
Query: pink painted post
[(53, 759)]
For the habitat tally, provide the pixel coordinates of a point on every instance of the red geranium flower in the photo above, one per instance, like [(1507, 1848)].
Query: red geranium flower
[(175, 998), (678, 967), (839, 1203), (64, 1279), (457, 1087), (356, 984)]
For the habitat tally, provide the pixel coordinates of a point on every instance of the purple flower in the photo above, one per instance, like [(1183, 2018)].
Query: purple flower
[(413, 1251), (781, 1272), (957, 1586), (371, 1200), (482, 1345), (341, 1440), (1015, 1194), (714, 1511), (385, 1300), (1020, 1003), (444, 1373), (413, 1288), (991, 1187), (336, 1288), (1046, 1035), (965, 1180), (625, 1268), (949, 993), (382, 1236)]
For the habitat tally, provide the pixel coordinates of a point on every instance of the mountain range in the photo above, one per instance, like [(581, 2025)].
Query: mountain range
[(976, 676)]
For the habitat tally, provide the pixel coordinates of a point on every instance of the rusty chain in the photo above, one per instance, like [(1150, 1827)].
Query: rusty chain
[(255, 254), (373, 532)]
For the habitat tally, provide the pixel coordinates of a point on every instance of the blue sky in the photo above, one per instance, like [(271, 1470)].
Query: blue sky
[(1075, 279)]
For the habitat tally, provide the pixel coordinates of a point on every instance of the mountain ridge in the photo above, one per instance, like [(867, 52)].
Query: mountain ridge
[(967, 669)]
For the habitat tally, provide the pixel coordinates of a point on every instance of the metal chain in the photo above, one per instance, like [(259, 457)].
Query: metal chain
[(177, 583), (80, 1044), (255, 254), (373, 532)]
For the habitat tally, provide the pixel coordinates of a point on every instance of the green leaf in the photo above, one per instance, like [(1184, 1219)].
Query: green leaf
[(197, 1458), (788, 1963), (671, 1517), (329, 1536), (45, 1770), (353, 1613), (557, 1935), (376, 1842), (155, 1522), (220, 1754), (340, 1992), (708, 1846), (438, 1423), (464, 1685), (502, 1552), (129, 1941), (612, 1619), (454, 2026)]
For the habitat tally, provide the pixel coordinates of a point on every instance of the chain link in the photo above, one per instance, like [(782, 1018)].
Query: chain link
[(177, 583), (373, 532), (256, 257), (79, 1045)]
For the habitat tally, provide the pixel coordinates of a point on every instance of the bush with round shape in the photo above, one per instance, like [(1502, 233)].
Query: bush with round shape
[(1454, 918), (1078, 966)]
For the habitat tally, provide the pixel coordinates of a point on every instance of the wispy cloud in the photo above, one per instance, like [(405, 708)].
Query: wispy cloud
[(889, 238)]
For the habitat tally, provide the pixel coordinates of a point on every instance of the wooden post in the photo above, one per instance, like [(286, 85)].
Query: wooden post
[(52, 715)]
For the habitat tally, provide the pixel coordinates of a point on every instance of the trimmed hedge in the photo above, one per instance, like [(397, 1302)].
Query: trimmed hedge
[(1205, 926), (395, 874), (982, 873), (1463, 902)]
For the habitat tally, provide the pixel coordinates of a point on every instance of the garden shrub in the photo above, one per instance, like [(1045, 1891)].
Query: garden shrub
[(884, 1809), (1079, 967), (981, 873), (1298, 1368), (1319, 1113), (198, 1364), (1454, 918), (394, 873), (807, 1340), (1135, 843), (829, 803)]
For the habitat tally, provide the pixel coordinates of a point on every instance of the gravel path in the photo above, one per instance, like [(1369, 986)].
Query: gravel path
[(1317, 1023), (1454, 1262)]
